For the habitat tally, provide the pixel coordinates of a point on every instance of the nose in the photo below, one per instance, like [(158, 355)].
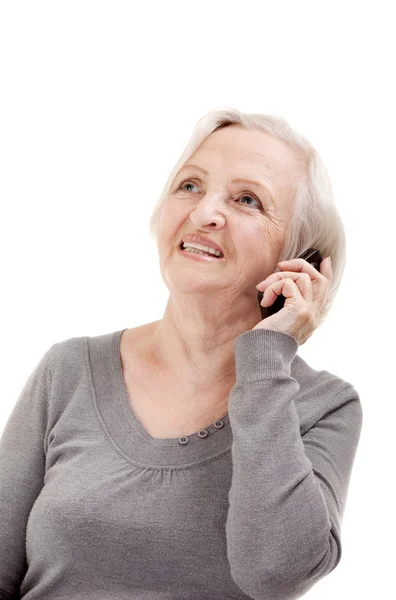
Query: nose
[(209, 210)]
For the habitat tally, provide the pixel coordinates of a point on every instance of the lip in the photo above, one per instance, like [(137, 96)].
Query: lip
[(201, 239), (195, 256)]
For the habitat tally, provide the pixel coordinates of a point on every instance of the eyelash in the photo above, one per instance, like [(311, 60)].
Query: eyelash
[(249, 195)]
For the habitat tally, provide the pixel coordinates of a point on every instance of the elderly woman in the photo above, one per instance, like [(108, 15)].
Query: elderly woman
[(196, 457)]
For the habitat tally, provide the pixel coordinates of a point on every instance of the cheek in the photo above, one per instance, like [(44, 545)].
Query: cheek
[(171, 221), (174, 215), (270, 244), (275, 236), (270, 233)]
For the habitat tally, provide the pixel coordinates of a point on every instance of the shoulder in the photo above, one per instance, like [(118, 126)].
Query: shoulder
[(70, 356), (75, 350), (310, 378), (322, 392), (69, 347)]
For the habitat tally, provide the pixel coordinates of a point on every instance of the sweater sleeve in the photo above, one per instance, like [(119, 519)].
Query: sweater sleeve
[(22, 468), (288, 490)]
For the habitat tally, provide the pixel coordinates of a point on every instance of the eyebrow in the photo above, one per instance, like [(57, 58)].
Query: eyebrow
[(235, 180)]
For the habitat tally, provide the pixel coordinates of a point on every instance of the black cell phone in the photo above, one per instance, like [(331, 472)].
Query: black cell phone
[(312, 256)]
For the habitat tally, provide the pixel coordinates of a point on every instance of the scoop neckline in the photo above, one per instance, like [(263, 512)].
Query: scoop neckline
[(125, 429)]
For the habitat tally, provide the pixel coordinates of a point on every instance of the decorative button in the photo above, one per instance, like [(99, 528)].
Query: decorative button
[(203, 433), (218, 424), (184, 440)]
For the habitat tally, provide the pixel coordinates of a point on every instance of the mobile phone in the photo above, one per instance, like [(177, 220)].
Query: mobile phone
[(312, 256)]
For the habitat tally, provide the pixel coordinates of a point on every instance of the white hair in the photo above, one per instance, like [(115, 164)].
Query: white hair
[(315, 221)]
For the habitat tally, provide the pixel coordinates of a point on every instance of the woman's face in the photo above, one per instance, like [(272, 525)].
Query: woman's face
[(248, 219)]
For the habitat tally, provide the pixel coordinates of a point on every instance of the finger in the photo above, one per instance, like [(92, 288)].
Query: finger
[(276, 277), (320, 279), (300, 289), (318, 288), (300, 264)]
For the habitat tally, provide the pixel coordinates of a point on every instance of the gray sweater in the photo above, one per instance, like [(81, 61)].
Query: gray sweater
[(92, 507)]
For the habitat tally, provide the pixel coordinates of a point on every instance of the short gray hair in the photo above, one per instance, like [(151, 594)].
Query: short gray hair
[(315, 221)]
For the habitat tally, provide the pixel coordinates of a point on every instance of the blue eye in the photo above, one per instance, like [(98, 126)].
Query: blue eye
[(188, 182), (251, 198)]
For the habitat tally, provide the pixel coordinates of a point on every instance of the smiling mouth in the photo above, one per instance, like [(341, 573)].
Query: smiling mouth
[(197, 251)]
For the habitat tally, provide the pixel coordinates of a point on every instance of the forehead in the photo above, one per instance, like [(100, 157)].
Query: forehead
[(234, 146)]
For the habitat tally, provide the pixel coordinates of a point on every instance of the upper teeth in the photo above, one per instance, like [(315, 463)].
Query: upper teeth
[(202, 247)]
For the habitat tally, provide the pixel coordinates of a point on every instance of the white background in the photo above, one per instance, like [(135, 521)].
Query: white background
[(98, 99)]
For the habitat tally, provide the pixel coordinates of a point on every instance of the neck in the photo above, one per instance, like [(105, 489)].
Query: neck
[(200, 352)]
